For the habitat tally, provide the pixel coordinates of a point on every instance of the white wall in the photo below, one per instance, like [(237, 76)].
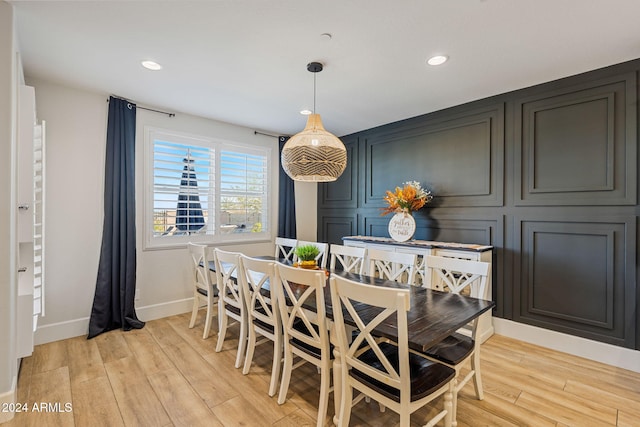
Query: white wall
[(8, 208), (75, 138), (76, 135), (306, 194)]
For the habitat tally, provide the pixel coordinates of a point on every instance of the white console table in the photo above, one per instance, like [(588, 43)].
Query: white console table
[(423, 248)]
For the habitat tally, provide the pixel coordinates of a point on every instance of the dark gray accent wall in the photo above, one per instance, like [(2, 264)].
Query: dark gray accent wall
[(548, 175)]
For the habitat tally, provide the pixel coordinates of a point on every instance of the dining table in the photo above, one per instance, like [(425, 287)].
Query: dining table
[(433, 315)]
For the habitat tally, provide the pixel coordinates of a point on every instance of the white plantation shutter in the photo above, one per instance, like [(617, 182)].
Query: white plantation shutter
[(169, 178), (243, 190), (222, 196)]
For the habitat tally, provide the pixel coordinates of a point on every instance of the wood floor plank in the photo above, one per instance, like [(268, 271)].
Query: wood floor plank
[(497, 347), (233, 412), (523, 375), (94, 403), (86, 363), (112, 346), (212, 386), (627, 403), (184, 406), (510, 412), (255, 389), (564, 411), (504, 392), (50, 400), (150, 356), (295, 419), (578, 368), (504, 377), (194, 335), (24, 379), (609, 389), (163, 333), (136, 399), (470, 413), (626, 419), (50, 356)]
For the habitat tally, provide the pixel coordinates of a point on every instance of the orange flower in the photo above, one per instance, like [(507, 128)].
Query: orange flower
[(409, 198)]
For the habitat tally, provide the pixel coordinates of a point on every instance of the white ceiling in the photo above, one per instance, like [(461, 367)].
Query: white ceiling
[(244, 61)]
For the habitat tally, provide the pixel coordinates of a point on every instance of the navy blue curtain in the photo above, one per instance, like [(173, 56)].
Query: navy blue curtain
[(286, 201), (113, 303)]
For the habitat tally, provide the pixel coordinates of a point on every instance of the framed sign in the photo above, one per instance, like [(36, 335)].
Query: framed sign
[(402, 227)]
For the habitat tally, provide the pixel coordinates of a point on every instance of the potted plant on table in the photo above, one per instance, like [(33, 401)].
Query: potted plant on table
[(307, 256)]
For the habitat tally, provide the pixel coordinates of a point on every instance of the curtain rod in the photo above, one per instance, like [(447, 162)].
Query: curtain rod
[(255, 132), (145, 108)]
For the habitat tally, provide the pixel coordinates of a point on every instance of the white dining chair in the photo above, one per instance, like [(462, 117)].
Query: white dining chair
[(285, 248), (385, 371), (262, 312), (396, 266), (231, 303), (469, 277), (321, 259), (306, 334), (205, 291), (347, 258)]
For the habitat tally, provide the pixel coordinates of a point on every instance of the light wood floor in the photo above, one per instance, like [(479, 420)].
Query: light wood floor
[(166, 375)]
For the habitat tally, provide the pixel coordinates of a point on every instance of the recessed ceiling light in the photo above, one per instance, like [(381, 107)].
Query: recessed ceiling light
[(151, 65), (437, 60), (306, 112)]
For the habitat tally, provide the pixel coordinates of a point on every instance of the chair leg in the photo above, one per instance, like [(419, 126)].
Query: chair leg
[(325, 378), (251, 346), (222, 328), (477, 378), (207, 323), (345, 404), (207, 327), (194, 311), (276, 365), (242, 343), (405, 416), (450, 398), (286, 375), (454, 402)]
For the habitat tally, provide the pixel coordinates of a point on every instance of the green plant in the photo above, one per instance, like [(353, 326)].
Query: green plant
[(307, 252)]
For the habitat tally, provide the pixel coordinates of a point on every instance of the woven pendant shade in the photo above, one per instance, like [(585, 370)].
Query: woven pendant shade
[(314, 154)]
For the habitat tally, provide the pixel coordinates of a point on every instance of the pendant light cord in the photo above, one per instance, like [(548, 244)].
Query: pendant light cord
[(314, 93)]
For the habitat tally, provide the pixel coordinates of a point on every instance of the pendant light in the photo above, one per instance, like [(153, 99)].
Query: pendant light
[(314, 154)]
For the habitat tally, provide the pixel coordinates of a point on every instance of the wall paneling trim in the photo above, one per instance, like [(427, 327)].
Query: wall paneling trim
[(548, 175)]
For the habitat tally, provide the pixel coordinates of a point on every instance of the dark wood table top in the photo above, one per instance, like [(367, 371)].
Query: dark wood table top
[(432, 317)]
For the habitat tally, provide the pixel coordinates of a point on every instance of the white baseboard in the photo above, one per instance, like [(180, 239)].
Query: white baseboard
[(158, 311), (593, 350), (6, 399), (78, 327)]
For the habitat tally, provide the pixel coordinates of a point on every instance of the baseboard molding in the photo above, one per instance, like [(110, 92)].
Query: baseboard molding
[(619, 357), (6, 399), (78, 327), (158, 311)]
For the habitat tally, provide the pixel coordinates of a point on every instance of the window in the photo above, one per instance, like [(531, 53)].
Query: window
[(204, 190)]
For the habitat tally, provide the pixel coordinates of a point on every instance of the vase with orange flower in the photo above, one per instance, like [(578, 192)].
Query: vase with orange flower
[(405, 200)]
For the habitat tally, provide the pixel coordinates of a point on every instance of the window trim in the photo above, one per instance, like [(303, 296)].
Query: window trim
[(150, 242)]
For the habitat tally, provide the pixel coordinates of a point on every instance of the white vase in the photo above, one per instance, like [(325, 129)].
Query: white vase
[(402, 227)]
